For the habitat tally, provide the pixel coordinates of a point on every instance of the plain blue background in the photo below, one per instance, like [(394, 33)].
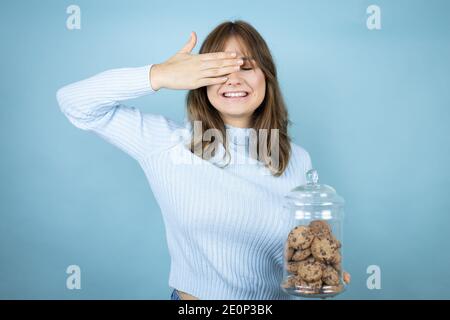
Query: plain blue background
[(371, 107)]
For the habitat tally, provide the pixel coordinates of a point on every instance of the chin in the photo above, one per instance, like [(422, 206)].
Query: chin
[(236, 114), (235, 109)]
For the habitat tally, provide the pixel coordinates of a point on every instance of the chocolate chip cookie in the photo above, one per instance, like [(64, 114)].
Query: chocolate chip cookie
[(320, 228), (330, 276), (310, 270), (308, 287), (292, 267), (289, 282), (300, 237), (288, 253), (323, 249), (300, 254)]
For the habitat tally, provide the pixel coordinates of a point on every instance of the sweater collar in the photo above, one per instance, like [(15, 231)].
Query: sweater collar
[(237, 135)]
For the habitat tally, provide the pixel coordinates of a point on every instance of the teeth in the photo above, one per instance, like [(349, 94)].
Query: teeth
[(235, 94)]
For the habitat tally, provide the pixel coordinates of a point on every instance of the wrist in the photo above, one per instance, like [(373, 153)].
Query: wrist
[(154, 75)]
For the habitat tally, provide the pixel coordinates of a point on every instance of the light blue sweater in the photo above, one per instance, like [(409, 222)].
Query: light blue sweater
[(225, 227)]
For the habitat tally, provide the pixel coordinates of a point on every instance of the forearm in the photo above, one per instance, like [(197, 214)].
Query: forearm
[(88, 100)]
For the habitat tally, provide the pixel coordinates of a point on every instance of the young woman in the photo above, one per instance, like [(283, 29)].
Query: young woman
[(223, 212)]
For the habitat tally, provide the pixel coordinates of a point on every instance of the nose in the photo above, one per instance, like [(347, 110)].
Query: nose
[(233, 79)]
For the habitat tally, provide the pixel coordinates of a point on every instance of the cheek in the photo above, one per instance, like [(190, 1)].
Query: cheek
[(211, 92), (211, 89), (260, 86)]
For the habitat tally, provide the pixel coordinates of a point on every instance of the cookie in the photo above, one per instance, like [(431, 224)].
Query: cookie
[(330, 276), (288, 253), (313, 260), (323, 249), (310, 270), (320, 228), (300, 254), (307, 287), (336, 241), (315, 285), (336, 259), (300, 237), (337, 267), (292, 267), (289, 282)]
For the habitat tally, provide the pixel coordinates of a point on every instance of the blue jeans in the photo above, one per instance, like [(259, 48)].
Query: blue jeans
[(175, 295)]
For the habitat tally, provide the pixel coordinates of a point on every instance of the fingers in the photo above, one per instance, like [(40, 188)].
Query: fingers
[(216, 55), (217, 69), (218, 72), (221, 63), (347, 277), (190, 44), (211, 81)]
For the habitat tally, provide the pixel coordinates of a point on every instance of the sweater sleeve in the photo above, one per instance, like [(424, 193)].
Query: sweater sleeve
[(94, 104)]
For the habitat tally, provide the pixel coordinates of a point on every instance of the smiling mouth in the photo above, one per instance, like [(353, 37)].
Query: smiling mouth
[(235, 96)]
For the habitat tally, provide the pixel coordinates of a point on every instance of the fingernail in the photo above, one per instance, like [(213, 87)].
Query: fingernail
[(233, 54)]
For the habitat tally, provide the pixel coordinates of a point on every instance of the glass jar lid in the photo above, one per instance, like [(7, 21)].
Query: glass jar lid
[(313, 193)]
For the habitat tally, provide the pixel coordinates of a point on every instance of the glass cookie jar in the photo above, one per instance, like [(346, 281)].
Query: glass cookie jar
[(313, 249)]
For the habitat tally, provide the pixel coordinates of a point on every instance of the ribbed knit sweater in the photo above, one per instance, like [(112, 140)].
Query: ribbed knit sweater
[(225, 226)]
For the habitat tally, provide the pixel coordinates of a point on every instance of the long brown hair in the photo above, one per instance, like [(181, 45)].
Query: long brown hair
[(271, 114)]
